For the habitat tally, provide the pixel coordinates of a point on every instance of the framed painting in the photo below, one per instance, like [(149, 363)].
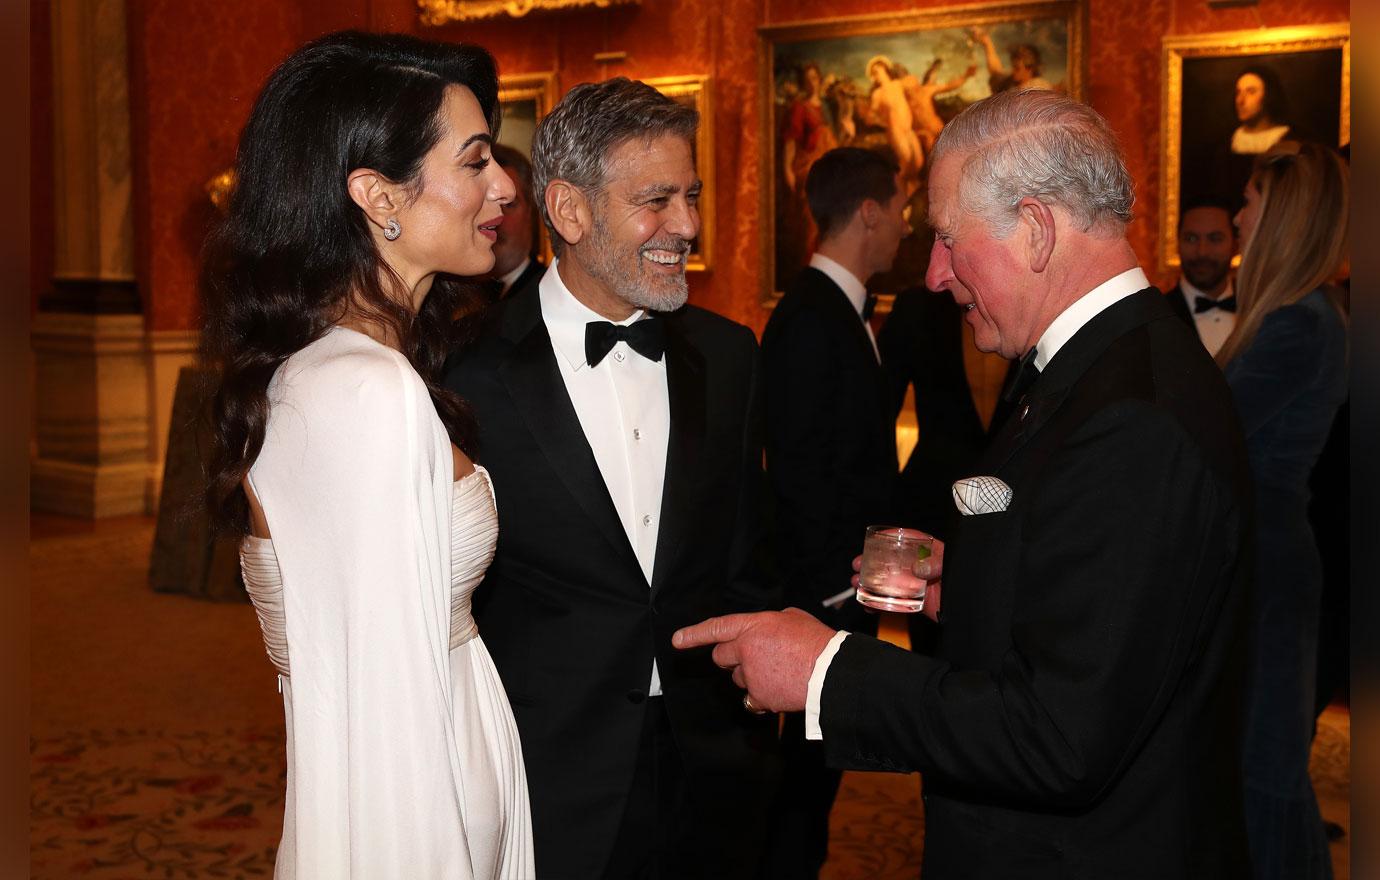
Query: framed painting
[(693, 92), (1228, 97), (890, 83), (525, 98)]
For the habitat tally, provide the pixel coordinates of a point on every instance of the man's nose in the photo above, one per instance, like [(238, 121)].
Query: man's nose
[(940, 271), (683, 220)]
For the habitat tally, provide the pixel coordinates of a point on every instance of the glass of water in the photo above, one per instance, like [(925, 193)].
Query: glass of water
[(887, 580)]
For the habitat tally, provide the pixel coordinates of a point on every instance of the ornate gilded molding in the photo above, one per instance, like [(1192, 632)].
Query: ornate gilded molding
[(438, 12)]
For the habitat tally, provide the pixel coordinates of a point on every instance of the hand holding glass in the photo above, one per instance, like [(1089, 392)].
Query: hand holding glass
[(887, 580)]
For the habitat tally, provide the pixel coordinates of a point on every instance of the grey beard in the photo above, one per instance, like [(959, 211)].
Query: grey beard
[(667, 299), (667, 293)]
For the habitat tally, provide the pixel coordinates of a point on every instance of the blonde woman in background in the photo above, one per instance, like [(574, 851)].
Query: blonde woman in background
[(1286, 363)]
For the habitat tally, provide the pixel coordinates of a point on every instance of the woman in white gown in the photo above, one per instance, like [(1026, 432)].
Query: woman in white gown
[(363, 172)]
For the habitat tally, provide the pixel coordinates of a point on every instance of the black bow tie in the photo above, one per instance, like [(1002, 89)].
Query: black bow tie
[(647, 337), (1203, 303), (1022, 378)]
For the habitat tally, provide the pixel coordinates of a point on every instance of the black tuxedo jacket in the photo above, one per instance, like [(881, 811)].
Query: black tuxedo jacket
[(567, 614), (530, 278), (1082, 717), (1177, 304), (831, 444)]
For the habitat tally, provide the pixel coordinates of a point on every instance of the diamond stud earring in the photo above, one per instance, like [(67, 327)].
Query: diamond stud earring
[(391, 229)]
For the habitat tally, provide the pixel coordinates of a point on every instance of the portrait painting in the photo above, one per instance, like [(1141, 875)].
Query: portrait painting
[(1230, 97), (890, 83)]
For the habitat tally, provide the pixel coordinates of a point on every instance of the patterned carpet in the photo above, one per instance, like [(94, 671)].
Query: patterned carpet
[(157, 744), (146, 803)]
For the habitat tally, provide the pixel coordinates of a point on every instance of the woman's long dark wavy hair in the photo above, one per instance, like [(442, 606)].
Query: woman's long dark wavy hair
[(294, 252)]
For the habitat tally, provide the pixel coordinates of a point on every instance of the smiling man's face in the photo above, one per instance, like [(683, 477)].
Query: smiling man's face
[(644, 219)]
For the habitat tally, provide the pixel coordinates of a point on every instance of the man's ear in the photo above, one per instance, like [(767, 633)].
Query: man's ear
[(871, 213), (1035, 223), (377, 196), (569, 210)]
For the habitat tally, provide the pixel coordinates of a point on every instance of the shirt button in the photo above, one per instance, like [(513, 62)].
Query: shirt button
[(647, 520), (637, 433), (619, 356)]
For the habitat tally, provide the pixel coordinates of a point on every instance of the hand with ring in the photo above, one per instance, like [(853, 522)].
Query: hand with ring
[(751, 705)]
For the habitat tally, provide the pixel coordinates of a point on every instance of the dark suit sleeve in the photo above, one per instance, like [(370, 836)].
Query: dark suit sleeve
[(899, 345), (1123, 547), (803, 402), (752, 585), (1281, 363)]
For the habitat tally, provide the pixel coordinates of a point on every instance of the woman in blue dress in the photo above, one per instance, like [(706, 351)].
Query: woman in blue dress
[(1286, 363)]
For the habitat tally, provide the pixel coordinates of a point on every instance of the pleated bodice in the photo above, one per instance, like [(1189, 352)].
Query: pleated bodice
[(473, 535)]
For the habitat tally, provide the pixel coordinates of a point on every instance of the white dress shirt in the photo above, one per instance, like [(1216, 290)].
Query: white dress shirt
[(1214, 325), (625, 411), (855, 290), (1060, 331)]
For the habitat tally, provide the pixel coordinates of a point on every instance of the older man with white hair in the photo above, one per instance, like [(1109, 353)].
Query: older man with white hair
[(1082, 716)]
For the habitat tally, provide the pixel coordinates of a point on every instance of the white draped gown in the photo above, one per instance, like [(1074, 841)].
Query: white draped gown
[(403, 757)]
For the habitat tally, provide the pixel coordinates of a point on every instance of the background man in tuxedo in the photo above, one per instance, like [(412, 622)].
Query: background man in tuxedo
[(1203, 297), (1082, 716), (622, 431), (831, 446), (516, 263)]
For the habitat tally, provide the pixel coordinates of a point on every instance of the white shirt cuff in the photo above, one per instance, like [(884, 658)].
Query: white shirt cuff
[(816, 687)]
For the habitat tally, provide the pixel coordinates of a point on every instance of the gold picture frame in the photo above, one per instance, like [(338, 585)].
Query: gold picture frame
[(694, 92), (525, 99), (435, 13), (948, 41), (1198, 118)]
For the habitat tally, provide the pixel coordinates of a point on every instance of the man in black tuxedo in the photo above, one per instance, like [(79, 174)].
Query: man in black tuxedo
[(622, 431), (1082, 716), (831, 447), (1203, 298)]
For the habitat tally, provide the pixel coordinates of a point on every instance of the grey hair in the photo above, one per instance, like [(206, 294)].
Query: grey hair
[(573, 142), (1040, 144)]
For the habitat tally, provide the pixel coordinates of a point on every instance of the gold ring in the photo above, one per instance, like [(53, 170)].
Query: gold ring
[(751, 705)]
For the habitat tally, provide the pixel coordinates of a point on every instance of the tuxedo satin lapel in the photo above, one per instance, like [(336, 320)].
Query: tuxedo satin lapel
[(1031, 413), (688, 394), (1045, 397), (534, 382)]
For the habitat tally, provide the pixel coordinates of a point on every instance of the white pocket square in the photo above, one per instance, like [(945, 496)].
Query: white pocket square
[(978, 495)]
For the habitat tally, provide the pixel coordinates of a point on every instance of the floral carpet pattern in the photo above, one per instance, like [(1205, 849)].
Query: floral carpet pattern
[(144, 803)]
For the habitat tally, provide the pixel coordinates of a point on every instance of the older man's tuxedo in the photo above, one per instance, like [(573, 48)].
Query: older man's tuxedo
[(569, 616), (1082, 717)]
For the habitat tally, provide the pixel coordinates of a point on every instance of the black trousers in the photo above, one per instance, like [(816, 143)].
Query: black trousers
[(648, 846), (799, 841)]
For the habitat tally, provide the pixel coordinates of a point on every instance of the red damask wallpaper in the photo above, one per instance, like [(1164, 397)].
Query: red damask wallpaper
[(197, 66)]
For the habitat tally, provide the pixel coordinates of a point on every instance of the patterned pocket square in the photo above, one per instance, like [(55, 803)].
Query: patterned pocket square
[(978, 495)]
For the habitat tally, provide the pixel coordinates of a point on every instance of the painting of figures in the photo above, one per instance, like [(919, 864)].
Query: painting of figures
[(891, 83)]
